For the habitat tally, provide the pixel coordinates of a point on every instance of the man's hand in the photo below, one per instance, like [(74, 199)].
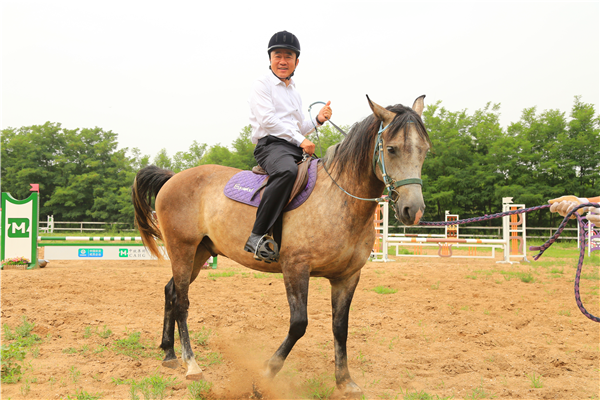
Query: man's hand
[(308, 147), (563, 205), (325, 113)]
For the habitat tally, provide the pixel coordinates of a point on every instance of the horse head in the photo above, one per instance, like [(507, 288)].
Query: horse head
[(400, 150)]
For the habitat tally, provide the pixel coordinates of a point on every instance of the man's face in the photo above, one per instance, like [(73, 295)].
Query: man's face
[(283, 62)]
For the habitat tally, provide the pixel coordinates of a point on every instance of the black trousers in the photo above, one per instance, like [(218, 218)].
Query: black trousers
[(278, 157)]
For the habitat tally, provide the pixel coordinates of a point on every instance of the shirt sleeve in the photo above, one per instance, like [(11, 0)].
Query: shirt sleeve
[(308, 125), (261, 106)]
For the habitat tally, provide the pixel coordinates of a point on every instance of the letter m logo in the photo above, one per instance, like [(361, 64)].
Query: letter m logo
[(18, 227)]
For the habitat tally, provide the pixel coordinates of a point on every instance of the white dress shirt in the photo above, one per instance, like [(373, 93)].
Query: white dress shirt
[(276, 110)]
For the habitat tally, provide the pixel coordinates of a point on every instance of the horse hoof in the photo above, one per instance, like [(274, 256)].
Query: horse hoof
[(173, 364), (351, 391), (195, 377)]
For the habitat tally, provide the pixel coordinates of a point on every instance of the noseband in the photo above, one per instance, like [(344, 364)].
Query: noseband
[(390, 183)]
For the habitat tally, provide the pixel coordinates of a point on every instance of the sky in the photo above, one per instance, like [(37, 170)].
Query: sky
[(163, 74)]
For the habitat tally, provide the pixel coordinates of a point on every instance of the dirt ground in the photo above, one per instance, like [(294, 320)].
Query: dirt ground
[(455, 328)]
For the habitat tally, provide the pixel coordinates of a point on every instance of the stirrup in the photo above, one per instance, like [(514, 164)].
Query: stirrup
[(263, 253)]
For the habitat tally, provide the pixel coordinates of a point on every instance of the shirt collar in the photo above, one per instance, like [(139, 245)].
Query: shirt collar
[(276, 81)]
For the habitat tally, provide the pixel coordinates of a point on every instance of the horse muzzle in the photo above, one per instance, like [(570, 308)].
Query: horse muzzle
[(410, 209), (409, 215)]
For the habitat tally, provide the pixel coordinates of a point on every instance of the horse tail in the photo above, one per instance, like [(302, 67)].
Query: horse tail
[(146, 185)]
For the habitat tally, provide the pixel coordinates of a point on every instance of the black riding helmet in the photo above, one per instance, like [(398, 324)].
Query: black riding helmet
[(284, 40)]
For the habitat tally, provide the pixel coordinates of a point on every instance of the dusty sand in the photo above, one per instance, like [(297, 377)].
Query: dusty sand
[(455, 327)]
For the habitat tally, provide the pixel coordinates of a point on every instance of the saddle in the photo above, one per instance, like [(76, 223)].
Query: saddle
[(299, 183), (245, 185)]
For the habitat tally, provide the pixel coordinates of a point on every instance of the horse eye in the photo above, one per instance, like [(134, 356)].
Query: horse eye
[(391, 150)]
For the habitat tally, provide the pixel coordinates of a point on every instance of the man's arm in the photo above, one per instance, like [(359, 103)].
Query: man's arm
[(307, 127)]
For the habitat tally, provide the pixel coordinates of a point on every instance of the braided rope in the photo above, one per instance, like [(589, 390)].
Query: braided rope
[(543, 247)]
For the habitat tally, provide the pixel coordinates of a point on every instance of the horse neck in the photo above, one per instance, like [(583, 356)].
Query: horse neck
[(359, 181)]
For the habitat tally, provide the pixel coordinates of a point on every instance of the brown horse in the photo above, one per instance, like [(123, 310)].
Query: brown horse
[(194, 219)]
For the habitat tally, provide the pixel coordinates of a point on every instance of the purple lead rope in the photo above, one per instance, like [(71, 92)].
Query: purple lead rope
[(543, 247)]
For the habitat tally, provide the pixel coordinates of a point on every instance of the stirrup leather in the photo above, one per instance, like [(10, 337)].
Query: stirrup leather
[(263, 253)]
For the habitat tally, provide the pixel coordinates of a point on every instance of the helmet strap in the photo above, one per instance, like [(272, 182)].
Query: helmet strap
[(287, 79)]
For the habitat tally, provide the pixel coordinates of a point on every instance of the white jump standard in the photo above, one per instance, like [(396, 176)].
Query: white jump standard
[(513, 243)]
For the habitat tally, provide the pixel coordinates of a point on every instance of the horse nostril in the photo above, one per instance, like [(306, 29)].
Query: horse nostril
[(406, 213)]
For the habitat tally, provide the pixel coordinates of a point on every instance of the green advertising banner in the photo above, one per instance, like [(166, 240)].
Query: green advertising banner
[(19, 228)]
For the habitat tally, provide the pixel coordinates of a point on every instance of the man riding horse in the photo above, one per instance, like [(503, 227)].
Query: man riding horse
[(279, 128)]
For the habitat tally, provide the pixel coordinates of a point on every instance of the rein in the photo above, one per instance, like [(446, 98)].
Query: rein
[(543, 247), (378, 160)]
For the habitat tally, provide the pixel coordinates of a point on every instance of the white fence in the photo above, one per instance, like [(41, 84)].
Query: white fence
[(495, 231), (50, 226)]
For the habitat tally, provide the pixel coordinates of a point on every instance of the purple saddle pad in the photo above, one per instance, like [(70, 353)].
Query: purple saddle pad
[(242, 187)]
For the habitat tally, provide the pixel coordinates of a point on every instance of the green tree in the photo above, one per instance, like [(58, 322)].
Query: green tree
[(446, 179), (28, 156), (241, 157), (189, 159), (81, 173), (162, 160), (581, 147), (327, 136), (244, 149)]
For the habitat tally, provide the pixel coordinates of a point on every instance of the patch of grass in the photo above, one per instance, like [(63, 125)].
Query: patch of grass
[(386, 395), (210, 359), (69, 350), (526, 277), (594, 291), (83, 395), (594, 276), (26, 388), (118, 381), (132, 347), (87, 332), (105, 333), (536, 381), (151, 387), (384, 290), (319, 387), (14, 353), (84, 349), (480, 393), (423, 395), (224, 274), (74, 374), (201, 338), (24, 330), (200, 390), (566, 313)]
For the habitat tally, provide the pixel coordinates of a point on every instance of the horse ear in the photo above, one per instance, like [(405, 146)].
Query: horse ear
[(381, 113), (419, 105)]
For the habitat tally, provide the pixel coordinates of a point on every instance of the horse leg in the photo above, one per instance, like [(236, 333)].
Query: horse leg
[(168, 338), (342, 292), (296, 287)]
